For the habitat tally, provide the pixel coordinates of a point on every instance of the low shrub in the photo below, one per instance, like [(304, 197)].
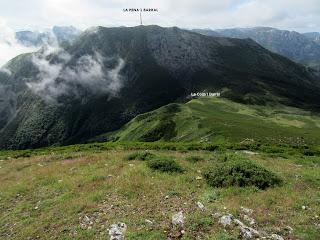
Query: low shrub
[(194, 159), (200, 223), (223, 236), (143, 156), (210, 196), (23, 154), (211, 147), (164, 165), (240, 173), (310, 152), (228, 156)]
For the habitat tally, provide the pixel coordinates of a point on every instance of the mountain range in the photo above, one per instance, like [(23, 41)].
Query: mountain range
[(107, 76), (314, 36), (38, 39), (301, 48)]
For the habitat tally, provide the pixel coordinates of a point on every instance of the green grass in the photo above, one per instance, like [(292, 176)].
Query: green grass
[(48, 192), (221, 120)]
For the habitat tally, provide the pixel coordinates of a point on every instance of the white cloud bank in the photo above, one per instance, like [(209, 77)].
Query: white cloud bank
[(88, 75), (9, 47), (5, 71)]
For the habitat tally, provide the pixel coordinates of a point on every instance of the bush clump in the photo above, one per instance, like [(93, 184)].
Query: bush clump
[(241, 173), (143, 156), (23, 154), (164, 165), (194, 159)]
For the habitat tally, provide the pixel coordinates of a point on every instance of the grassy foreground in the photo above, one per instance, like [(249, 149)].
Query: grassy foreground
[(77, 192)]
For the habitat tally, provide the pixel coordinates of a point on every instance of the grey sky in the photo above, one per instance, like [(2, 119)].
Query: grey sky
[(299, 15)]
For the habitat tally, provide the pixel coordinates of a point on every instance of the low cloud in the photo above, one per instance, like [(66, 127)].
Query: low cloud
[(9, 46), (88, 75), (46, 85), (5, 71)]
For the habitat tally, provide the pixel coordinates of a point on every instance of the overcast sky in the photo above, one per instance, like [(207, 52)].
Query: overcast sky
[(299, 15)]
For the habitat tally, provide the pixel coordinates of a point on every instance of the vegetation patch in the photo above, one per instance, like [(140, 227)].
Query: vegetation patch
[(164, 165), (222, 236), (23, 154), (143, 156), (146, 235), (241, 173), (200, 223), (210, 196), (165, 129), (194, 159)]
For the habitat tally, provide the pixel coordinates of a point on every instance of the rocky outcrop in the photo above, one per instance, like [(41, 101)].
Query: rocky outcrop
[(117, 231)]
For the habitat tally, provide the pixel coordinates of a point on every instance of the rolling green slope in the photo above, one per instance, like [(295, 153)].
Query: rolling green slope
[(218, 119)]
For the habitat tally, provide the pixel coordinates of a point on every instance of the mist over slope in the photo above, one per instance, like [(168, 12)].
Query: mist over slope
[(14, 43), (107, 76)]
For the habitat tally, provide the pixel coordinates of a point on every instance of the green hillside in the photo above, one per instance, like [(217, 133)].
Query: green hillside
[(217, 119)]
